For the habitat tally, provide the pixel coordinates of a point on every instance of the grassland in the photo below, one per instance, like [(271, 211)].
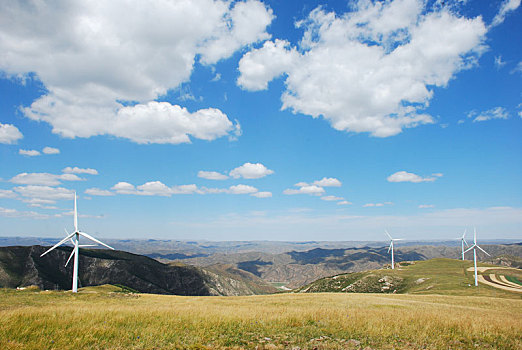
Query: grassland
[(105, 318), (435, 276)]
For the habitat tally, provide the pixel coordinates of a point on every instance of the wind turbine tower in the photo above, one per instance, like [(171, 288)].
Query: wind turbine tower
[(391, 247), (474, 247), (75, 240), (462, 241)]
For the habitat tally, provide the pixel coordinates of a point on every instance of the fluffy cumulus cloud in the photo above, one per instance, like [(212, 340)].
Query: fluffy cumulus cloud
[(157, 188), (371, 69), (9, 134), (50, 150), (494, 113), (45, 179), (403, 176), (328, 182), (29, 152), (250, 171), (76, 170), (43, 194), (426, 206), (262, 194), (114, 51), (212, 175), (305, 189)]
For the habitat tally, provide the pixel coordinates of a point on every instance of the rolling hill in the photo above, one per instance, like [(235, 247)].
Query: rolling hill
[(435, 276), (23, 266)]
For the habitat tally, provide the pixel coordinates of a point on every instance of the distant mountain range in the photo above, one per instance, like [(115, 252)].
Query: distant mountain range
[(188, 248), (298, 268), (23, 266)]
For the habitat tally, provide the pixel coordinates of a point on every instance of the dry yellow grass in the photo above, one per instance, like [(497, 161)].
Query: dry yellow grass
[(61, 320)]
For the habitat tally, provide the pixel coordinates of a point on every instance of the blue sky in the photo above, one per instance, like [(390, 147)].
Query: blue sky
[(249, 120)]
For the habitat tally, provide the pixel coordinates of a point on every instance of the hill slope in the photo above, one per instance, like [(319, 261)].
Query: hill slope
[(435, 276), (23, 266)]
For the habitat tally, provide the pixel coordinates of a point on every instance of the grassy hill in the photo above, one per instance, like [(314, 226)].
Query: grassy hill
[(435, 276), (105, 318)]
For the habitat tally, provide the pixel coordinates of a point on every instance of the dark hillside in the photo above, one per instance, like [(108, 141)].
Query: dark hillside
[(23, 266)]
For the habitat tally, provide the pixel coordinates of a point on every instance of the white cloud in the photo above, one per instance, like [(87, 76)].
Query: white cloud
[(369, 205), (29, 152), (124, 188), (494, 113), (344, 203), (51, 150), (250, 171), (263, 194), (98, 192), (332, 198), (498, 62), (7, 212), (305, 189), (518, 68), (43, 194), (114, 53), (212, 175), (328, 182), (9, 134), (403, 176), (43, 179), (242, 189), (257, 67), (184, 189), (372, 69), (77, 170), (7, 194), (426, 206), (161, 122), (506, 7)]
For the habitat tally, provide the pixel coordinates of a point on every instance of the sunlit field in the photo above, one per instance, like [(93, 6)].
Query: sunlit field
[(98, 318)]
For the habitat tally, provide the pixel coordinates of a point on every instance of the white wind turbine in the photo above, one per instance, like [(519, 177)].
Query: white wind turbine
[(75, 239), (391, 247), (474, 246), (463, 241)]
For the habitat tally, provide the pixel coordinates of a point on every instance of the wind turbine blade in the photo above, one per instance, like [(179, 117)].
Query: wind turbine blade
[(388, 234), (390, 247), (475, 235), (70, 256), (75, 214), (86, 245), (59, 243), (483, 250), (398, 239), (467, 250), (467, 245), (95, 240)]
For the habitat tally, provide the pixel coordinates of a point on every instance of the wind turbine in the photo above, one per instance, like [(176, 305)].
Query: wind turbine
[(75, 240), (391, 247), (462, 241), (474, 246)]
